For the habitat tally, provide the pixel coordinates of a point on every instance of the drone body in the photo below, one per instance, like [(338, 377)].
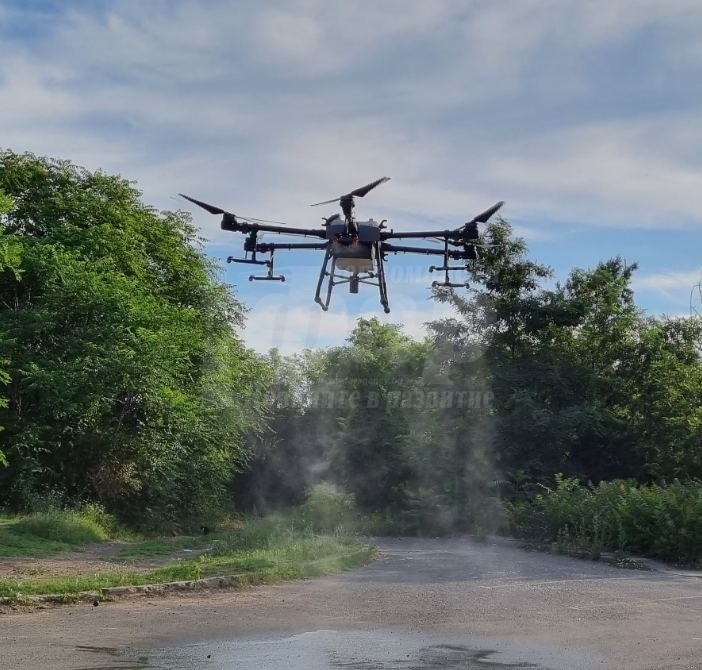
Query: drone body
[(354, 251)]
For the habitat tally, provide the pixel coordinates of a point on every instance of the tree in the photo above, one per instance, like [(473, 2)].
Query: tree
[(291, 454), (522, 382), (664, 384), (584, 384), (9, 263), (368, 378), (129, 383)]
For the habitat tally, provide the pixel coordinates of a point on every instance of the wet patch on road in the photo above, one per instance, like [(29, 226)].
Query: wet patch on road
[(434, 657), (363, 650), (118, 659)]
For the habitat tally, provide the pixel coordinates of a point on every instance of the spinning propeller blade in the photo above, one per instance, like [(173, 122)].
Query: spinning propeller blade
[(252, 219), (360, 192), (326, 202), (484, 216), (212, 209)]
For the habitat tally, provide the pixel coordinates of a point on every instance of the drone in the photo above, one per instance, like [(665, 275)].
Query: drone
[(355, 251)]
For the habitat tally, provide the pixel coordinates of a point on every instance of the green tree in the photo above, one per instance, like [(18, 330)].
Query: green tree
[(129, 383), (584, 384), (523, 381), (291, 454), (9, 263), (368, 378), (664, 384)]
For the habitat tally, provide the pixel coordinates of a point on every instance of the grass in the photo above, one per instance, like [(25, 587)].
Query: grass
[(74, 584), (162, 546), (52, 532), (287, 556), (261, 551)]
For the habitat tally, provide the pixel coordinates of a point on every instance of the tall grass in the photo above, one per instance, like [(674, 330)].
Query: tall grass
[(315, 538), (55, 530), (283, 546), (660, 521), (73, 584), (329, 509)]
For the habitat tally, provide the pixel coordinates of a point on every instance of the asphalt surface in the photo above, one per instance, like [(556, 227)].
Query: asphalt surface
[(424, 604)]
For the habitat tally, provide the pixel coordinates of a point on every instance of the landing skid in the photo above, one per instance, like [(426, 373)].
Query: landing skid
[(334, 278)]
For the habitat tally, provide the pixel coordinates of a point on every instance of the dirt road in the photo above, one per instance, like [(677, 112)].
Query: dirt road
[(423, 604)]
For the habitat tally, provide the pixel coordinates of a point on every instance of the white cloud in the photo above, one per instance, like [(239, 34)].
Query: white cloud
[(287, 318), (180, 85), (668, 283), (314, 37), (630, 173), (264, 108)]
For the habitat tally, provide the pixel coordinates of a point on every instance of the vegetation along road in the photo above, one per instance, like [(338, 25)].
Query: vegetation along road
[(426, 603)]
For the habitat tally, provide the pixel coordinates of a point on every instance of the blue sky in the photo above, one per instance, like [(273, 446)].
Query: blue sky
[(583, 116)]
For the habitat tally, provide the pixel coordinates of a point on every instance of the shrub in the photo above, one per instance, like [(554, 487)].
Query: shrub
[(72, 527), (660, 521), (329, 509)]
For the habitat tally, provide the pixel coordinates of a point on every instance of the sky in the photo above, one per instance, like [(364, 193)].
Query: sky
[(585, 117)]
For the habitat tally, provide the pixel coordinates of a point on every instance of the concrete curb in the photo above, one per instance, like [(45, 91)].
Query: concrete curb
[(168, 587), (113, 592), (637, 562), (239, 579)]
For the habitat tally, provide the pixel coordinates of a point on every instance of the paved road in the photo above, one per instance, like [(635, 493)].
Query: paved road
[(424, 604)]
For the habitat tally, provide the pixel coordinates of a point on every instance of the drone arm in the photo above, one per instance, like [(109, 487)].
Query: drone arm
[(466, 233), (398, 249), (246, 227), (421, 234), (266, 247), (385, 247)]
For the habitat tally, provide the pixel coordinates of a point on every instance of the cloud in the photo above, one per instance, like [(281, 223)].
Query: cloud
[(311, 37), (432, 94), (632, 173), (668, 283), (571, 112), (274, 322)]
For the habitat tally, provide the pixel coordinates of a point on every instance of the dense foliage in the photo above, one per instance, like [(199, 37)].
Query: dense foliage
[(660, 521), (123, 382), (9, 263), (127, 383), (521, 383)]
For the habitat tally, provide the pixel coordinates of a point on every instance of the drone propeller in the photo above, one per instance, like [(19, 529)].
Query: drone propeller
[(251, 219), (213, 209), (360, 192), (484, 216)]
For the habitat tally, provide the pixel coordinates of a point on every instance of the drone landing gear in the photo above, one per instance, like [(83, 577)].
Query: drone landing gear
[(354, 280)]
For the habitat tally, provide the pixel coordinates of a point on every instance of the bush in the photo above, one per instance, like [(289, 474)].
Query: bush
[(72, 527), (660, 521), (329, 509)]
